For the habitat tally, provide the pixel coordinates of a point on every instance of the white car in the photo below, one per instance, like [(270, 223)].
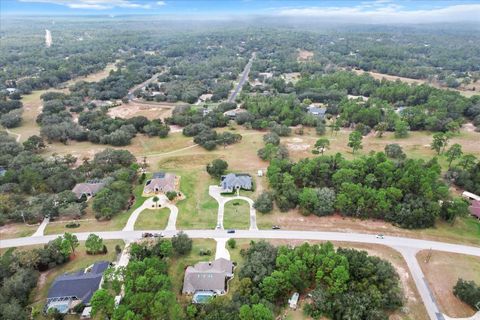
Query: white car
[(379, 236)]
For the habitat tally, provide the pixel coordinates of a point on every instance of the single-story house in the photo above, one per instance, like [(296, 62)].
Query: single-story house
[(233, 113), (68, 290), (208, 278), (89, 188), (316, 111), (475, 209), (11, 90), (160, 182), (235, 181)]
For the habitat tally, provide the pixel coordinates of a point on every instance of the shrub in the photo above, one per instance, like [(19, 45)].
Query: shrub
[(232, 243), (171, 195), (72, 225)]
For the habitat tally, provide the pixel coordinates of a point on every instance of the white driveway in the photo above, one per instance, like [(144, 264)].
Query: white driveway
[(163, 202), (41, 228), (222, 251), (215, 192)]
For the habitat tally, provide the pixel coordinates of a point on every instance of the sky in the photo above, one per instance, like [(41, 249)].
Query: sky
[(368, 11)]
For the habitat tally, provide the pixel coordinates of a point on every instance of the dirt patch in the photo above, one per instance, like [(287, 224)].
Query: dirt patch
[(296, 144), (469, 127), (304, 55), (442, 271), (151, 111), (292, 77)]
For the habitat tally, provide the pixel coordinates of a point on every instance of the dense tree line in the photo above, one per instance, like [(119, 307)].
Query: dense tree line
[(405, 193), (34, 186), (466, 173), (19, 271)]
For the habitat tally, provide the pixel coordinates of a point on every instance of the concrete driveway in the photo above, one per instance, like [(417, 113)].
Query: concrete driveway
[(163, 202)]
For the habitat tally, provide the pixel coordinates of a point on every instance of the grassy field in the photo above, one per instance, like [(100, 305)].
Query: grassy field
[(80, 261), (178, 264), (236, 215), (198, 210), (442, 271), (152, 219), (17, 230)]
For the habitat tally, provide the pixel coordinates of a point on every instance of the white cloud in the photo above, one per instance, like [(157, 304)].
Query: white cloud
[(385, 11), (161, 3), (95, 4)]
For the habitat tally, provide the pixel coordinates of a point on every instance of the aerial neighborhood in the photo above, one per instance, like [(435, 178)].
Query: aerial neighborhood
[(239, 160)]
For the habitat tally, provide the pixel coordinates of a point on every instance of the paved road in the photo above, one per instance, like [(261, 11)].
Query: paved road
[(244, 78)]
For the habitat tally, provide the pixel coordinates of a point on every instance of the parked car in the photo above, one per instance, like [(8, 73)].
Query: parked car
[(379, 236), (147, 235), (158, 235), (275, 227), (231, 231)]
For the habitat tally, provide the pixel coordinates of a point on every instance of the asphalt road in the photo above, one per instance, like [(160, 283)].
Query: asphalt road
[(244, 78)]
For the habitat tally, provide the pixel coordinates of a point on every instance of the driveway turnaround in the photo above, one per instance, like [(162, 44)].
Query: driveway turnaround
[(215, 192), (163, 202)]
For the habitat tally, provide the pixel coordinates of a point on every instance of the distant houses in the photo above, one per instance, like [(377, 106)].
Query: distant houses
[(316, 111), (161, 182), (88, 189), (236, 181), (69, 290), (207, 279)]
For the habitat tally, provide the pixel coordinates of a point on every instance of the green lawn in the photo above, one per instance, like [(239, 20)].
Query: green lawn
[(198, 210), (152, 219), (236, 215), (178, 264), (17, 230), (80, 261)]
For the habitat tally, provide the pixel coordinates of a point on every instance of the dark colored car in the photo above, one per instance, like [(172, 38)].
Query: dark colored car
[(275, 227), (147, 235), (231, 231)]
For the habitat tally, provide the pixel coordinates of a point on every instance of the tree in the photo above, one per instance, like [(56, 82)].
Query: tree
[(181, 242), (355, 141), (272, 138), (394, 151), (264, 202), (438, 143), (72, 240), (34, 143), (94, 244), (217, 168), (155, 200), (231, 243), (453, 153), (467, 161), (468, 292), (171, 195), (450, 210), (380, 128), (401, 129), (255, 312), (320, 202), (11, 119), (321, 128), (321, 145), (103, 304)]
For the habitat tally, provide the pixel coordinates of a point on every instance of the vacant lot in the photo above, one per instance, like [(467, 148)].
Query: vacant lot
[(442, 271), (152, 219), (236, 215), (151, 111), (304, 55), (17, 230)]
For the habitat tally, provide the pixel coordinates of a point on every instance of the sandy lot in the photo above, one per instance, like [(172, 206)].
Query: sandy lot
[(304, 55), (442, 272), (151, 111)]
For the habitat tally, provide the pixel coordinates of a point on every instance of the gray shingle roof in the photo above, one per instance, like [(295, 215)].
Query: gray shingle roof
[(81, 285), (161, 182), (316, 110), (89, 189), (233, 181), (208, 276)]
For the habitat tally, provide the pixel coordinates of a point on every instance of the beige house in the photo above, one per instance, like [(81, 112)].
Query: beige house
[(87, 189), (161, 182)]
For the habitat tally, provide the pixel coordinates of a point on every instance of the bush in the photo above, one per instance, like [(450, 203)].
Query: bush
[(205, 252), (171, 195), (79, 308), (72, 225), (217, 168), (181, 243), (118, 249), (264, 202), (232, 243), (468, 292)]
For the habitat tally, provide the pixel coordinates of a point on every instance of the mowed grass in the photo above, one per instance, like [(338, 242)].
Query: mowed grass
[(442, 271), (178, 264), (17, 230), (152, 219), (236, 215), (78, 262), (198, 210)]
